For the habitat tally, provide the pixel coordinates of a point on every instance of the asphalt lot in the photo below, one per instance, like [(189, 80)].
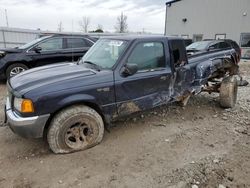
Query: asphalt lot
[(172, 146)]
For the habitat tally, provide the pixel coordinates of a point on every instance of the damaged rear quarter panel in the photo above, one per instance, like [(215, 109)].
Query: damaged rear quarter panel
[(146, 90)]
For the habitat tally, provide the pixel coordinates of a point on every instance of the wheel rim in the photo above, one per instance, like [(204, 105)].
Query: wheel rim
[(16, 70), (79, 135)]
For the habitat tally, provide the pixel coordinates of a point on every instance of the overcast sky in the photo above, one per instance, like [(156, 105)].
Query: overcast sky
[(47, 14)]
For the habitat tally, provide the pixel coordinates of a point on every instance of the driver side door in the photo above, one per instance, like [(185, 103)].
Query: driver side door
[(147, 88)]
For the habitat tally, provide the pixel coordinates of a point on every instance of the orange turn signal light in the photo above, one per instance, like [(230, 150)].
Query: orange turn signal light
[(27, 106)]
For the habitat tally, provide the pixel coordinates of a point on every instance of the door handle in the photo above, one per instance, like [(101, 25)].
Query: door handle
[(163, 78)]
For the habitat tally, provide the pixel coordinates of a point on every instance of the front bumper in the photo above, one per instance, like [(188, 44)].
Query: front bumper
[(28, 127)]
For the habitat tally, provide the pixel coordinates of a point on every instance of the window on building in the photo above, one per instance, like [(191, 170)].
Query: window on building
[(197, 37), (245, 40), (220, 36), (148, 55), (185, 36)]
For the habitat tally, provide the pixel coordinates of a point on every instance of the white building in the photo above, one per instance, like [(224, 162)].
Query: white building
[(210, 19)]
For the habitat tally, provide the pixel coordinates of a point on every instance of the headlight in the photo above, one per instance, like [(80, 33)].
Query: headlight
[(23, 105)]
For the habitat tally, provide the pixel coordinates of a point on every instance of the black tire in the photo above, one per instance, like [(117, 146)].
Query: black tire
[(11, 68), (75, 128), (228, 92)]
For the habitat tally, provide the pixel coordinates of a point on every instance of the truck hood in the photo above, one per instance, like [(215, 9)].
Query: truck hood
[(48, 75)]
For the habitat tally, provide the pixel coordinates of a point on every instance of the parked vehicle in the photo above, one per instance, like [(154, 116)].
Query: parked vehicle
[(70, 103), (188, 42), (245, 45), (235, 46), (42, 51), (212, 45)]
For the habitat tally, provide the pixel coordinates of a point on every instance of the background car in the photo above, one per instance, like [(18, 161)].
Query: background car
[(245, 45), (42, 51), (211, 45), (188, 42)]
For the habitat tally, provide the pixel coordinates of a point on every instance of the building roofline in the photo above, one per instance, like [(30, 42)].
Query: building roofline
[(169, 2)]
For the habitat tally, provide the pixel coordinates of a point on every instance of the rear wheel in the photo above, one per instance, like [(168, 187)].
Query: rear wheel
[(15, 69), (76, 128), (228, 92)]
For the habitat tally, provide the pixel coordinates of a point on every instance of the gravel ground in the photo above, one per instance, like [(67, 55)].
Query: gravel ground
[(200, 145)]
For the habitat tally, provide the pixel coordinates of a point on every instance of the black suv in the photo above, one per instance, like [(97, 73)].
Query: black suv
[(42, 51), (211, 45)]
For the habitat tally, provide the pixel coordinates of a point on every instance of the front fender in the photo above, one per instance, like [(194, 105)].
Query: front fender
[(53, 104), (82, 99), (76, 99)]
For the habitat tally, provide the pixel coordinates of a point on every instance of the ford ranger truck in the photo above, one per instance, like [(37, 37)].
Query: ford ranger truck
[(70, 103)]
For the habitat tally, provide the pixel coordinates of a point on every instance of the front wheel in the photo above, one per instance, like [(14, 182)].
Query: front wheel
[(15, 69), (76, 128), (228, 92)]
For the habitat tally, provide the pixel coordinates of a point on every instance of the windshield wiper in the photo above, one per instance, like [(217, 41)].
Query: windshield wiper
[(97, 67)]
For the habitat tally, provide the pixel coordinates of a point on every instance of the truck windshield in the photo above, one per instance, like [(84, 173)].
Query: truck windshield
[(104, 53)]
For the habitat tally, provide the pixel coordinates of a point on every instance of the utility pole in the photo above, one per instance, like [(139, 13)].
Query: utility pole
[(60, 27), (6, 16), (166, 18)]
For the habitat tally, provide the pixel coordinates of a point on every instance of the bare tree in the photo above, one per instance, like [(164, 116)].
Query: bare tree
[(84, 24), (121, 25), (99, 27), (60, 27)]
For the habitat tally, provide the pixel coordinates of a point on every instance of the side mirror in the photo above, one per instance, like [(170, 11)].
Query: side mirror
[(129, 70), (37, 49)]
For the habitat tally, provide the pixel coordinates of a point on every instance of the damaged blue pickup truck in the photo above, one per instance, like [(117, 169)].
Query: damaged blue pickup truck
[(70, 104)]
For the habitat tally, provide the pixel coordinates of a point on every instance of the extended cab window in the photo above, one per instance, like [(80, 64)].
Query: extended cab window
[(51, 44), (148, 55), (76, 43), (179, 52)]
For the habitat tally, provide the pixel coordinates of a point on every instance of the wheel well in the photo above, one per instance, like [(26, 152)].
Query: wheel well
[(89, 104), (15, 62)]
